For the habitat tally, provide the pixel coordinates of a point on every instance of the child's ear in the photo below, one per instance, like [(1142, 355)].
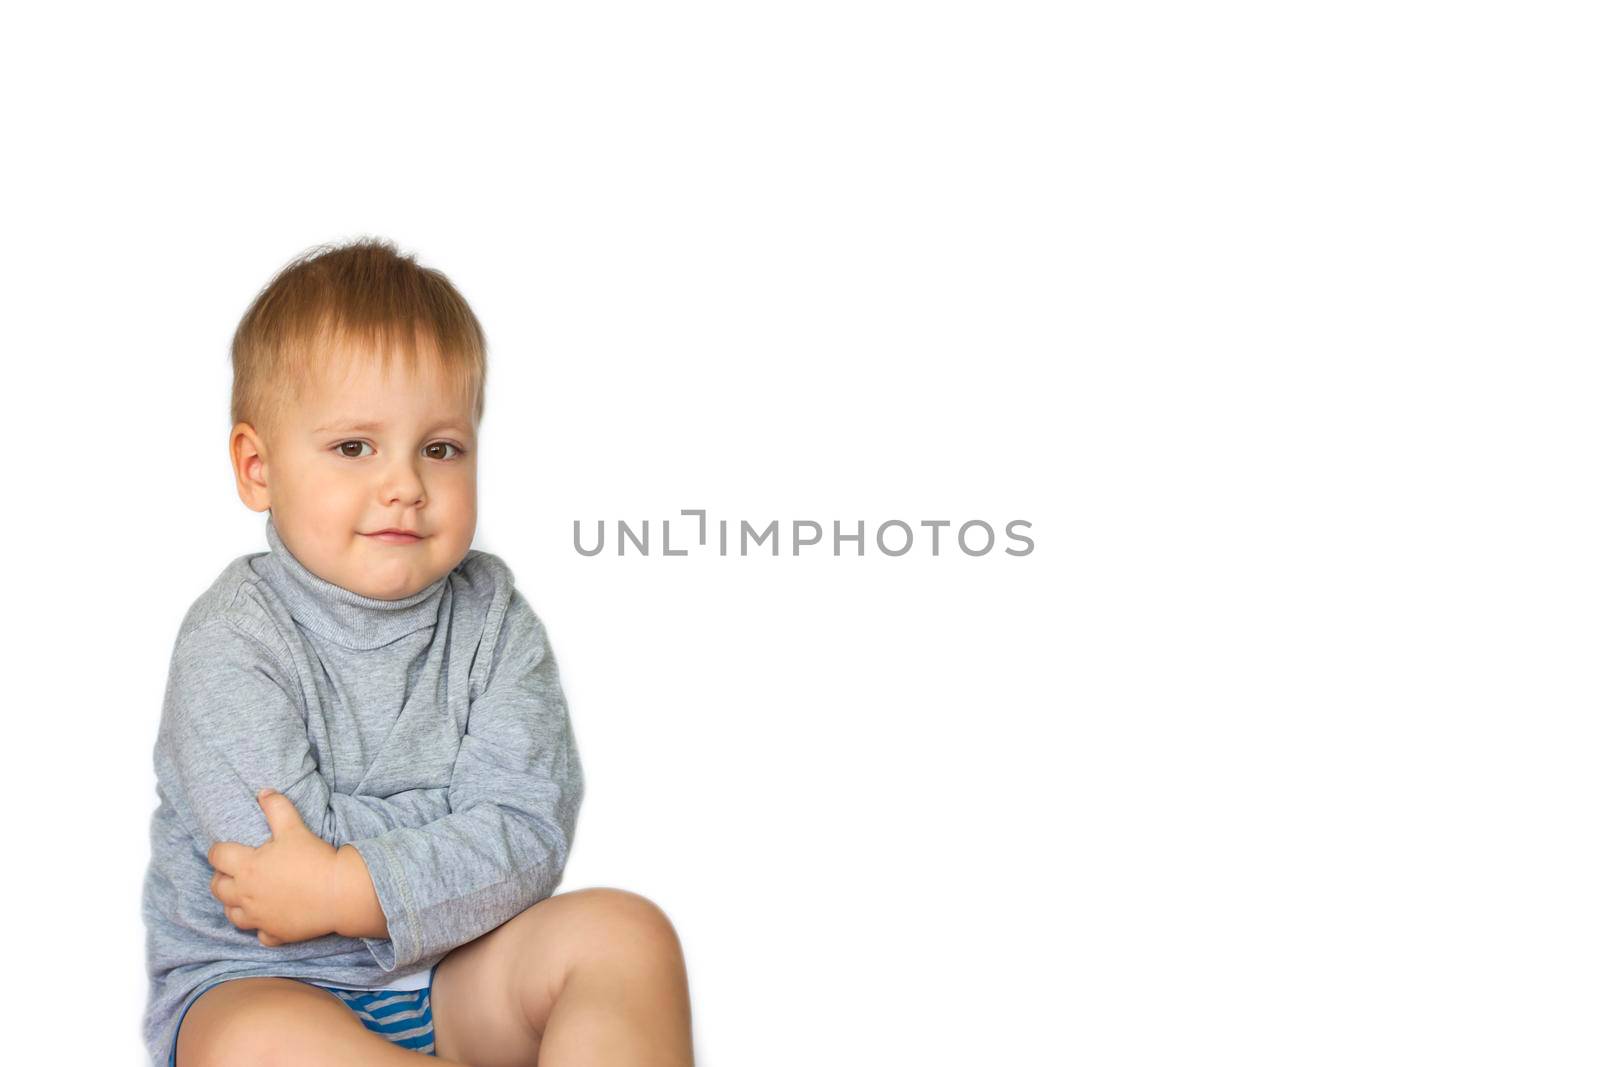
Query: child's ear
[(247, 455)]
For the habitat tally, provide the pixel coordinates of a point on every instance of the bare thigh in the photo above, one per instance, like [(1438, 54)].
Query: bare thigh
[(493, 997), (262, 1022)]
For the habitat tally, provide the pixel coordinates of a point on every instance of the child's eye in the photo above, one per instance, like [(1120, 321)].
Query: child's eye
[(442, 444), (343, 446)]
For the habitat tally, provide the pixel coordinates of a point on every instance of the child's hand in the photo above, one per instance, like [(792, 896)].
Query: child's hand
[(284, 890)]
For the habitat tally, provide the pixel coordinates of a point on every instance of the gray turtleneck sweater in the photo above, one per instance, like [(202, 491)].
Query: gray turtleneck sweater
[(430, 733)]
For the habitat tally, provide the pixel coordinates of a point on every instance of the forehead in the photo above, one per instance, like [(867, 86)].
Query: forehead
[(359, 388)]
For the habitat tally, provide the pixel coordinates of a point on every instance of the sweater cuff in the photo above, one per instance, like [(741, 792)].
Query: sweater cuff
[(402, 947)]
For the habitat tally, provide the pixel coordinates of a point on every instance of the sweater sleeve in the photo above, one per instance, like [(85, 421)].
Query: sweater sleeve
[(233, 724), (514, 797), (352, 817)]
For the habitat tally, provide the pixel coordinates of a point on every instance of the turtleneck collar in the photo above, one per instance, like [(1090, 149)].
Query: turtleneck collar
[(334, 612)]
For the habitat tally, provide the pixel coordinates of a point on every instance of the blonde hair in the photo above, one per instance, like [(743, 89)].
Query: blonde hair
[(363, 296)]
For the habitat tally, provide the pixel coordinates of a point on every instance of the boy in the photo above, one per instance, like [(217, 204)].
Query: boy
[(367, 777)]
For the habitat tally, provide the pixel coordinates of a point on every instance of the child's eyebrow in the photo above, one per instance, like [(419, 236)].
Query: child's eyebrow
[(367, 426), (342, 424)]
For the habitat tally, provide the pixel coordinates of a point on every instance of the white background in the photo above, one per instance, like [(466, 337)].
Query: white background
[(1277, 322)]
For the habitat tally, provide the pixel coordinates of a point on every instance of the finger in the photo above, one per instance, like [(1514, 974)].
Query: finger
[(225, 888), (226, 856), (282, 816)]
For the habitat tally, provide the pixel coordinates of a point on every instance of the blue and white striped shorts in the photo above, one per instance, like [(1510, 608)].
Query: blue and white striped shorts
[(404, 1016)]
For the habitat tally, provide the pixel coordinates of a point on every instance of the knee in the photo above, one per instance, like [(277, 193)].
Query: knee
[(619, 924)]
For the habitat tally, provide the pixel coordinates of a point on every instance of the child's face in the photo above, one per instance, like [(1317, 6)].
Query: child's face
[(361, 453)]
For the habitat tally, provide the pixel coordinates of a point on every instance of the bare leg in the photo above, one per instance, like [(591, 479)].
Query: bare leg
[(625, 999), (270, 1021), (590, 977)]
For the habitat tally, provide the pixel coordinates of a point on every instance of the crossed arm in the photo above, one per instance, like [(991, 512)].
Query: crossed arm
[(296, 886), (412, 875)]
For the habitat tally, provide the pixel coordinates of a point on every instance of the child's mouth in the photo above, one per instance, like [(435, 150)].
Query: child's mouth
[(394, 538)]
